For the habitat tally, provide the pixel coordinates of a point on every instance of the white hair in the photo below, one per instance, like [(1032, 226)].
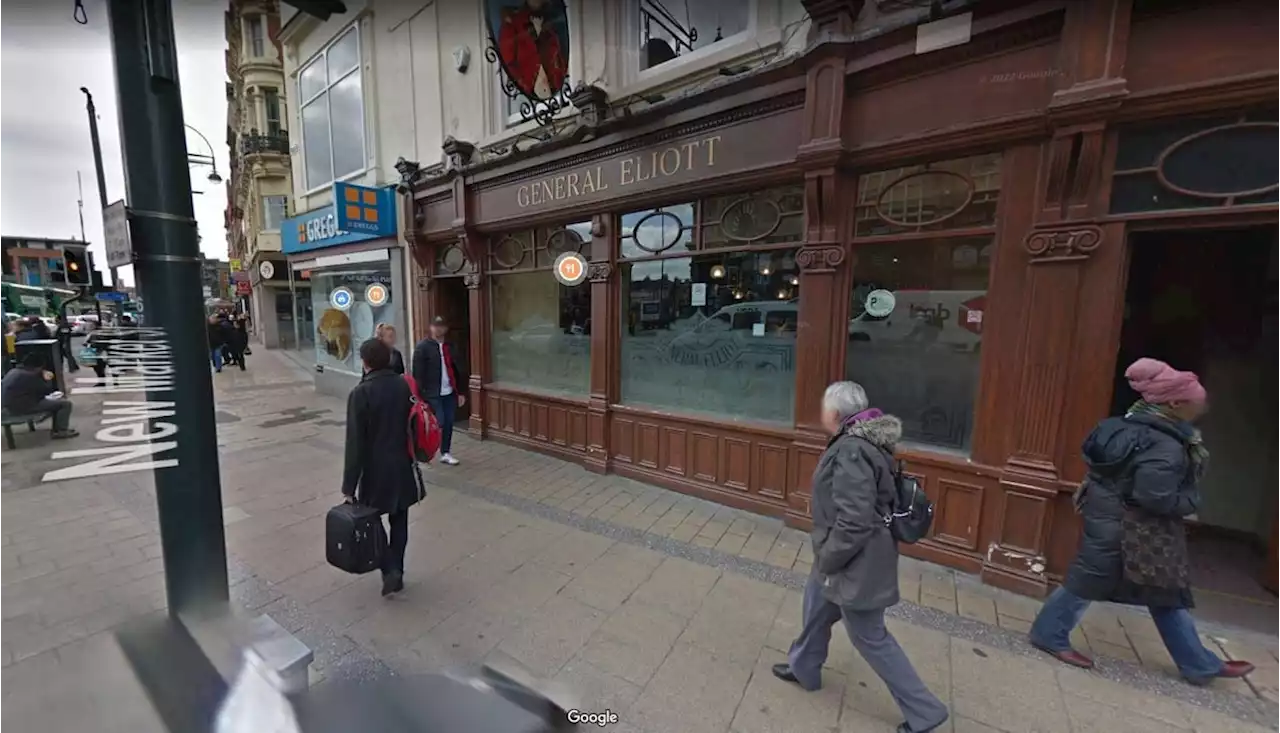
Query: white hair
[(845, 399)]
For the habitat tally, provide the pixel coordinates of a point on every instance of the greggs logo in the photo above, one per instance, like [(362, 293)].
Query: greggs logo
[(361, 208), (321, 227)]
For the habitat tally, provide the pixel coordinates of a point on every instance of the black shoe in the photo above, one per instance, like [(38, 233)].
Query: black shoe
[(392, 583), (783, 672), (64, 434)]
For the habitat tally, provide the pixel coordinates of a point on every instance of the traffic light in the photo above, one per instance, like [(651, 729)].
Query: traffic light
[(76, 266)]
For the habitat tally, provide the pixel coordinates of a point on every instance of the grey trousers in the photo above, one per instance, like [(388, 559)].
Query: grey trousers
[(873, 641)]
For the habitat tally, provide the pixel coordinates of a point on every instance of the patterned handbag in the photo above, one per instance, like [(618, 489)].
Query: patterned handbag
[(1154, 550)]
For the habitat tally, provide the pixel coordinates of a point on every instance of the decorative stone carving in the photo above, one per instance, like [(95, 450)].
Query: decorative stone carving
[(598, 272), (819, 258), (458, 152), (472, 277), (832, 18), (592, 102), (424, 283), (1062, 245)]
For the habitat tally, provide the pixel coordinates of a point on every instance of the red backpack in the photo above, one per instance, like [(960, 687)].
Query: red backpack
[(424, 429)]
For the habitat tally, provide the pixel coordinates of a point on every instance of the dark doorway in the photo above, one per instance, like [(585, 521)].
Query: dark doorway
[(453, 303), (1205, 301)]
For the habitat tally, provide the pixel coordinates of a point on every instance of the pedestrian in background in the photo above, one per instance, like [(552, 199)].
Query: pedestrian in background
[(1144, 473), (378, 470), (441, 382), (855, 558), (386, 333), (217, 340), (64, 344)]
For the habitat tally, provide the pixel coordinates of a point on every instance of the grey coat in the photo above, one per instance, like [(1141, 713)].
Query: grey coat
[(854, 554)]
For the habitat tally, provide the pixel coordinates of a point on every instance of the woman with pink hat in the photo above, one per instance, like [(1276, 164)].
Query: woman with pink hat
[(1144, 471)]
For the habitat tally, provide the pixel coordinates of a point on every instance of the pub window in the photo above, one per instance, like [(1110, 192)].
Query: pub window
[(541, 335), (670, 29), (919, 294), (953, 194), (1210, 162), (710, 304)]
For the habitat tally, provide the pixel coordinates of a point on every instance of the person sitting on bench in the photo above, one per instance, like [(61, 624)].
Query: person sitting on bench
[(28, 390)]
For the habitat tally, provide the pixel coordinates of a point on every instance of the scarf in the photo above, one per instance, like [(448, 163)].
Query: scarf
[(1196, 449), (870, 413)]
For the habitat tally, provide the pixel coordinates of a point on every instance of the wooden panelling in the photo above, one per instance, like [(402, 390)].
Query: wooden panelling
[(748, 468), (552, 424), (1003, 86), (958, 514), (1201, 42)]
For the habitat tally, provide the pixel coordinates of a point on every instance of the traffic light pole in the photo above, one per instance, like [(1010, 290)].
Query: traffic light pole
[(166, 265), (97, 164)]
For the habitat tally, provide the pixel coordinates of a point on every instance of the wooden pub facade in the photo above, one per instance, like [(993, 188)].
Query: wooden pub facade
[(956, 230)]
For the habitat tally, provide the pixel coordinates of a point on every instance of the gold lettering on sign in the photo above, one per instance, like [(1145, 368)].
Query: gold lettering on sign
[(681, 158)]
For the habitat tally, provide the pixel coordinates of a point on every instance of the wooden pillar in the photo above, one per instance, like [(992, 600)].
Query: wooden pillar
[(476, 247), (1070, 270), (605, 335), (824, 259)]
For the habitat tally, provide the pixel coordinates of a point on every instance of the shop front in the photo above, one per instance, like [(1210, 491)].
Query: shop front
[(345, 277), (972, 234)]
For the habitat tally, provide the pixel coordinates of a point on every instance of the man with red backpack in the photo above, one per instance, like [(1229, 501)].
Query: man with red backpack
[(441, 381), (379, 468)]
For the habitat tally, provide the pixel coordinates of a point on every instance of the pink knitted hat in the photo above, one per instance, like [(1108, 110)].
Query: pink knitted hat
[(1159, 383)]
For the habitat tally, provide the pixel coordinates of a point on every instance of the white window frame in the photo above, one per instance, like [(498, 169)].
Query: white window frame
[(514, 122), (257, 44), (323, 53), (762, 33), (284, 211), (266, 110)]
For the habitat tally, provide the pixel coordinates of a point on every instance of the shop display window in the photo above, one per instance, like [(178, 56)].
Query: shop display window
[(541, 329), (349, 302), (915, 333), (710, 304)]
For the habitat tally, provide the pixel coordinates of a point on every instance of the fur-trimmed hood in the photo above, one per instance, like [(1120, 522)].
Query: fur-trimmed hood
[(884, 431)]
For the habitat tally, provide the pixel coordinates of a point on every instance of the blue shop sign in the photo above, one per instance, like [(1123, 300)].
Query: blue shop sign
[(375, 217)]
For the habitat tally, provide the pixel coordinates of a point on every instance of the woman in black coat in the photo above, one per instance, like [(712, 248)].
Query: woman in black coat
[(378, 469), (386, 333), (1144, 471)]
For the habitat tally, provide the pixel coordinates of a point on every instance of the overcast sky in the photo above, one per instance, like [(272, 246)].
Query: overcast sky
[(45, 57)]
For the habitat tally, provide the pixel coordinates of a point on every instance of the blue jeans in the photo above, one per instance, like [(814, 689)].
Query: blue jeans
[(446, 409), (1063, 610), (216, 354)]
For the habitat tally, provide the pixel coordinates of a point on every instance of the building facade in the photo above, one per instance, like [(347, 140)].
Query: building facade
[(982, 216), (260, 188)]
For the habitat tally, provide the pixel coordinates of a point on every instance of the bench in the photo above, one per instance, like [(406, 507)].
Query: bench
[(9, 420)]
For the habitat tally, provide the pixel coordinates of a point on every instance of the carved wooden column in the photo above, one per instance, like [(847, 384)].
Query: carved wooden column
[(1071, 293), (480, 369), (605, 335), (823, 260)]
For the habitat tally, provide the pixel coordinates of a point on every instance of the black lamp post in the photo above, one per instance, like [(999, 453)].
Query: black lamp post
[(208, 160)]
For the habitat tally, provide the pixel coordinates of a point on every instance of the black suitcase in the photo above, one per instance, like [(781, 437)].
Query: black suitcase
[(354, 538)]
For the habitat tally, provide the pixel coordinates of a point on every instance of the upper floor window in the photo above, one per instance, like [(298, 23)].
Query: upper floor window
[(332, 99), (670, 29), (273, 212), (257, 36), (271, 110)]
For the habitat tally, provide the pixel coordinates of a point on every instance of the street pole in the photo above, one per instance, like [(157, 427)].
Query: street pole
[(97, 163), (166, 267)]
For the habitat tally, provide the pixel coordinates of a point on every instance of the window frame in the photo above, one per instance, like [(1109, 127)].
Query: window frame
[(929, 235), (304, 102), (284, 211), (256, 42), (268, 95), (700, 222)]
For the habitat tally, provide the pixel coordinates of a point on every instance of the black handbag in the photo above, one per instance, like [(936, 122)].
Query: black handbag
[(355, 540)]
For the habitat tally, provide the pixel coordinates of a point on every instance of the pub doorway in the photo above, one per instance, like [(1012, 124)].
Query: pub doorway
[(1205, 301), (453, 303)]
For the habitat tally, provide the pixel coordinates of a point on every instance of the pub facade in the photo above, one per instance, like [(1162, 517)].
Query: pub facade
[(977, 234)]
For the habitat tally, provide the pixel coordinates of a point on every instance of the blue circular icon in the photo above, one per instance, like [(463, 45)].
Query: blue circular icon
[(341, 298)]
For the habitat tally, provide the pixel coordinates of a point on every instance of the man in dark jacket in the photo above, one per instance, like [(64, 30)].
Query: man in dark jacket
[(28, 390), (1144, 469), (378, 470), (855, 558), (441, 381)]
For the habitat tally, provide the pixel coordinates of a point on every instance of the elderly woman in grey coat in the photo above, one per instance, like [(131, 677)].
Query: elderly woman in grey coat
[(855, 558)]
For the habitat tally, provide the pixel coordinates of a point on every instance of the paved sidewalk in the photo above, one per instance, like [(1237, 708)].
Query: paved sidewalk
[(666, 609)]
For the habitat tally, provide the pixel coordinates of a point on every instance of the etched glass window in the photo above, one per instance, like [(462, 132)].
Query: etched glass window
[(541, 333), (943, 195)]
